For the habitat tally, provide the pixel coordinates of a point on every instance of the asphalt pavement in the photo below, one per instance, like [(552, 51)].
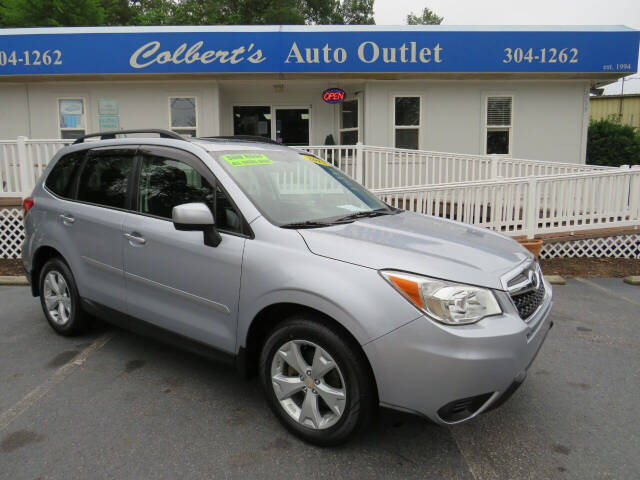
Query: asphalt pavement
[(110, 404)]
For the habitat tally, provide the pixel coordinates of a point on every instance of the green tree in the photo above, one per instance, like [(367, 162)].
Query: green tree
[(51, 13), (355, 12), (428, 17), (273, 12), (236, 12), (31, 13), (117, 12), (611, 143), (153, 12)]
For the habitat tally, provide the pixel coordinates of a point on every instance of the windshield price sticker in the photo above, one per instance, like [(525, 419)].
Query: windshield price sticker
[(246, 159), (316, 160)]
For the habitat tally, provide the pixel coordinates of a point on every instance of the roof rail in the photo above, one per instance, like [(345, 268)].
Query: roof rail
[(111, 135), (243, 138)]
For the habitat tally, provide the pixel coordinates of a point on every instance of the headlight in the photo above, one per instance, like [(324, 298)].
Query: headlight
[(447, 302)]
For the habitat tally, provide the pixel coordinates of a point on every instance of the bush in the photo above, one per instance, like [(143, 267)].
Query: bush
[(611, 143)]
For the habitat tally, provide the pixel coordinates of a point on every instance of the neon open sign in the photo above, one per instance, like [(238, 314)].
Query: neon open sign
[(333, 95)]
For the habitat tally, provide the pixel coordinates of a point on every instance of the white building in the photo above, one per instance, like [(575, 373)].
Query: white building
[(516, 91)]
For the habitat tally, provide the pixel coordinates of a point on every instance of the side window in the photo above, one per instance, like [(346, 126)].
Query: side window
[(407, 122), (499, 125), (71, 117), (183, 116), (104, 178), (60, 179), (227, 217), (165, 183), (349, 122)]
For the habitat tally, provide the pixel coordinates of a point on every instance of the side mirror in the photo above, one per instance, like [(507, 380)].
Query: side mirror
[(196, 216)]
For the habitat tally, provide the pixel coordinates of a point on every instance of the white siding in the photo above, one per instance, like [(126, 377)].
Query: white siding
[(141, 105), (548, 115)]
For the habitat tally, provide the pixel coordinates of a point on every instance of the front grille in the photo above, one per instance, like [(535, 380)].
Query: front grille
[(528, 302)]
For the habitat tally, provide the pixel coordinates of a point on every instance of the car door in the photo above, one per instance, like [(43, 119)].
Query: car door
[(96, 219), (174, 280)]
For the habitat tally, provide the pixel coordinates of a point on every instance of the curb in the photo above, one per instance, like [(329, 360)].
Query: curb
[(555, 279), (632, 280), (13, 280)]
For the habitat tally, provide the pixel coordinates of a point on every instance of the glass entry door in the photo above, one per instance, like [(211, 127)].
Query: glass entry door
[(254, 121), (290, 125)]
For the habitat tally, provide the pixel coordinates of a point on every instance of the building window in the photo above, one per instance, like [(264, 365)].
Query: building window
[(183, 116), (349, 122), (499, 125), (71, 117), (406, 126)]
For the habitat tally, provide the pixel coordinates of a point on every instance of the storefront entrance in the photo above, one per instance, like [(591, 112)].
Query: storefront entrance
[(284, 124)]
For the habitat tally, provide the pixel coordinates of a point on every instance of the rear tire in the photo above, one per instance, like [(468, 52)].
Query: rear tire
[(316, 383), (60, 300)]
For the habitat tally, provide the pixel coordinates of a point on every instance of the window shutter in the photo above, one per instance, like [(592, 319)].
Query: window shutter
[(499, 111)]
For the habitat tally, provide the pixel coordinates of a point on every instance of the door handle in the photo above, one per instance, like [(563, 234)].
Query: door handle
[(66, 219), (135, 238)]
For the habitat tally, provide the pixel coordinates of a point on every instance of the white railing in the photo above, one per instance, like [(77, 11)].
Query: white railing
[(530, 206), (22, 161), (382, 167), (513, 196)]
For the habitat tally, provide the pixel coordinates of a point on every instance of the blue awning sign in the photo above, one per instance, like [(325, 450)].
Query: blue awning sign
[(119, 50)]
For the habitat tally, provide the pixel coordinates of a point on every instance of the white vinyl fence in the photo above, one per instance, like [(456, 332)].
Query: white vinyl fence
[(22, 161), (514, 196), (380, 167), (533, 205)]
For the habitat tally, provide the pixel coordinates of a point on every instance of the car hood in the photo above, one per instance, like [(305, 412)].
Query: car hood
[(421, 244)]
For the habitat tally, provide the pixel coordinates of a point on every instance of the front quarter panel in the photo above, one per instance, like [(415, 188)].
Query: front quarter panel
[(279, 268)]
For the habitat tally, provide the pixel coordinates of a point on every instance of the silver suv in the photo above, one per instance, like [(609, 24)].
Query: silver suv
[(276, 261)]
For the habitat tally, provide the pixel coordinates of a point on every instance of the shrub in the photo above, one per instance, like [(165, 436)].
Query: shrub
[(611, 143)]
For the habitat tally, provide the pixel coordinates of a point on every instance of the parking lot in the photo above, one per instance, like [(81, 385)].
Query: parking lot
[(111, 404)]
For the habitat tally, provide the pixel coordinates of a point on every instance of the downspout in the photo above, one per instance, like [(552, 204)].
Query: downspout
[(26, 88)]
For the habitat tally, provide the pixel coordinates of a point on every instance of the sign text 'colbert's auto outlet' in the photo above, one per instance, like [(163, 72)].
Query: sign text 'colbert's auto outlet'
[(291, 50)]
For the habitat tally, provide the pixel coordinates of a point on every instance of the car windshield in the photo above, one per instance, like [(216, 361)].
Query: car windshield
[(292, 189)]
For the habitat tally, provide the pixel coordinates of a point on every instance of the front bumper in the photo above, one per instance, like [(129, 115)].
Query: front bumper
[(451, 374)]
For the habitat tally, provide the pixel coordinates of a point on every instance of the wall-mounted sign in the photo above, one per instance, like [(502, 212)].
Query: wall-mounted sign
[(333, 95), (70, 107), (107, 107), (108, 122), (318, 49)]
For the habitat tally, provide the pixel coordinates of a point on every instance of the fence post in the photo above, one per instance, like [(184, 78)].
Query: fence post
[(494, 166), (23, 167), (634, 192), (359, 164), (531, 219)]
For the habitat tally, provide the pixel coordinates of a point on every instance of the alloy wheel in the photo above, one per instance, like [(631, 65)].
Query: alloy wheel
[(57, 297), (308, 384)]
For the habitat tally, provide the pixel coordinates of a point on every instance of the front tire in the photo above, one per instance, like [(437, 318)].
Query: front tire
[(316, 383), (60, 300)]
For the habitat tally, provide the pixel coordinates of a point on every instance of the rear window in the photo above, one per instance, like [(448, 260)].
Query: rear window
[(105, 177), (60, 180)]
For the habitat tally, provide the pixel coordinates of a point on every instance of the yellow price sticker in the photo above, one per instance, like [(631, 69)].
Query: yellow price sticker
[(316, 160), (246, 159)]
